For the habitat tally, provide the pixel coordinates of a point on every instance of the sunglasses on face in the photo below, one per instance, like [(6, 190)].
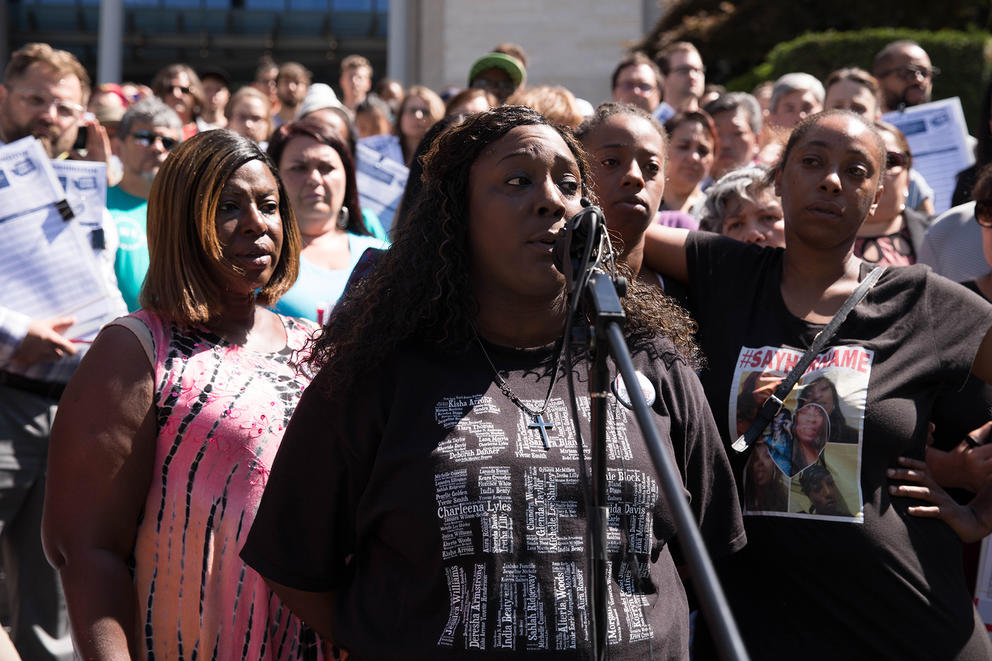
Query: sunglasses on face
[(486, 84), (895, 160), (182, 89), (983, 212), (148, 138), (911, 72)]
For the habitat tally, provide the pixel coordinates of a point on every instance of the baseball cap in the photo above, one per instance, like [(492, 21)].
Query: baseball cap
[(507, 63), (320, 96)]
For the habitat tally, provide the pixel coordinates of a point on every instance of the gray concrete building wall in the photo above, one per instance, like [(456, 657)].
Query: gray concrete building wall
[(575, 43)]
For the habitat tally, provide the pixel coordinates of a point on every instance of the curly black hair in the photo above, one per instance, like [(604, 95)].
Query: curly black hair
[(420, 288), (605, 111), (660, 312)]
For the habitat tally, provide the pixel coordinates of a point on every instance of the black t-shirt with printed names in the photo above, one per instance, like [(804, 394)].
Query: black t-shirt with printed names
[(427, 501), (867, 581)]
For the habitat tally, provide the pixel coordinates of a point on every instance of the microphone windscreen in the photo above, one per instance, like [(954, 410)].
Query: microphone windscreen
[(559, 254), (572, 240)]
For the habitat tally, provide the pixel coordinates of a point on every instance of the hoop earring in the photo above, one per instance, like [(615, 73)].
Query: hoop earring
[(343, 217)]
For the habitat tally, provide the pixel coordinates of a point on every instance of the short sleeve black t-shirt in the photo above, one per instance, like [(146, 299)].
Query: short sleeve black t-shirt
[(834, 566), (428, 501)]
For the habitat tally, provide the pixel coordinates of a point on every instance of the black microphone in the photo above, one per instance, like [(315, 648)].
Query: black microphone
[(581, 229)]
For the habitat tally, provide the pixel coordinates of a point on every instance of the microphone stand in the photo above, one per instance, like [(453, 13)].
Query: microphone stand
[(606, 313)]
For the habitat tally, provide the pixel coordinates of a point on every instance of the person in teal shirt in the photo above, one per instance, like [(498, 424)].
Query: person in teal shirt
[(318, 172), (147, 133), (317, 289)]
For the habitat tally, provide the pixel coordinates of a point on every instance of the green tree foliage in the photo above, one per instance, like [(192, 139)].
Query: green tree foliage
[(748, 41), (734, 36), (963, 58)]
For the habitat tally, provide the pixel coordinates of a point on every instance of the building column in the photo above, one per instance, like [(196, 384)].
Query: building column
[(4, 35), (651, 11), (403, 41), (110, 49)]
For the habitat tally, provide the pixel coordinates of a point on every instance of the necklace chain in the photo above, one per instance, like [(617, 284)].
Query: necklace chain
[(505, 388)]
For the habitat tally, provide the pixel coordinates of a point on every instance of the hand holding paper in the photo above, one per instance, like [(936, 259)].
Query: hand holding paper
[(45, 342)]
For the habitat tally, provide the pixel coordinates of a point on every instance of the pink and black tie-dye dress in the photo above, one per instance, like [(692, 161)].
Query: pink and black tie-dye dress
[(221, 413)]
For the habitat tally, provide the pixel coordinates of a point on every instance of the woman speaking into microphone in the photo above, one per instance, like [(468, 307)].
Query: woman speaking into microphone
[(429, 497)]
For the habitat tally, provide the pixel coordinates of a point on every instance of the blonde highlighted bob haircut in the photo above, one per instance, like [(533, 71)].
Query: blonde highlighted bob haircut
[(182, 235)]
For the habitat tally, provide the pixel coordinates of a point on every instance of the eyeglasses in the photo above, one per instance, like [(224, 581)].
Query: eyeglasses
[(895, 160), (689, 70), (486, 84), (37, 101), (639, 87), (182, 89), (148, 138), (983, 212), (911, 72)]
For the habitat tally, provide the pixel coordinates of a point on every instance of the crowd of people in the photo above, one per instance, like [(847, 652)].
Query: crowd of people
[(308, 430)]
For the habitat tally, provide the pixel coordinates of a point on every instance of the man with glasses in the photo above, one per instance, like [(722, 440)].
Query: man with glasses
[(498, 73), (637, 81), (180, 88), (905, 74), (43, 94), (684, 79), (149, 130)]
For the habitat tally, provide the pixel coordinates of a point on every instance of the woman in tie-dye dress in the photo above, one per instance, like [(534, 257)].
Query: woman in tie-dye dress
[(164, 438)]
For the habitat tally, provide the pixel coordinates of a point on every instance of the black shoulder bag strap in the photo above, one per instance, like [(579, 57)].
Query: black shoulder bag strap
[(774, 403)]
